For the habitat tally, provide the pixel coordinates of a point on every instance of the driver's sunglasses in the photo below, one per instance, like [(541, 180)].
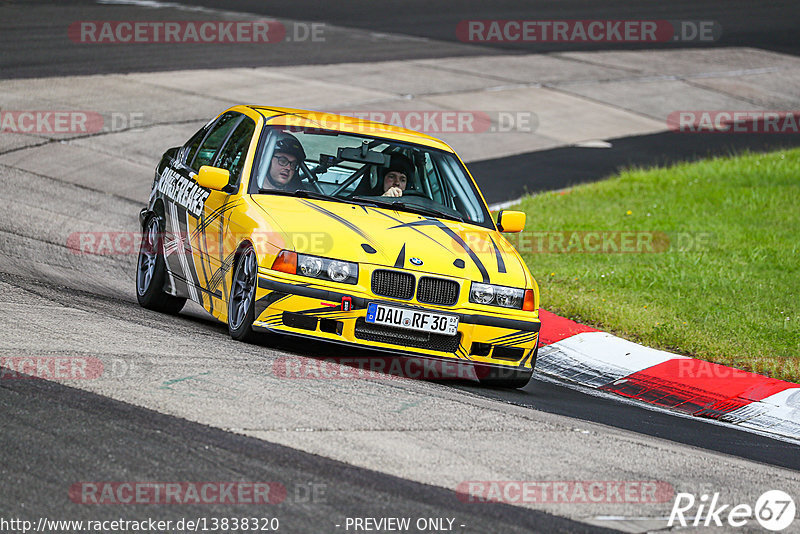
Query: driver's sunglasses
[(283, 162)]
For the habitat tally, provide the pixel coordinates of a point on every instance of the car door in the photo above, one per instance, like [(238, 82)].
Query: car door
[(215, 223), (185, 212)]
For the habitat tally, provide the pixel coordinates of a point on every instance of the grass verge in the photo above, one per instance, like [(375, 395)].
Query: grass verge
[(700, 258)]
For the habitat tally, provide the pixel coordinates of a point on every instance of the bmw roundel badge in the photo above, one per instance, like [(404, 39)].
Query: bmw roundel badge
[(416, 261)]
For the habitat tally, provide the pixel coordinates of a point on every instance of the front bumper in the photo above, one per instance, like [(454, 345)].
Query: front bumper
[(313, 309)]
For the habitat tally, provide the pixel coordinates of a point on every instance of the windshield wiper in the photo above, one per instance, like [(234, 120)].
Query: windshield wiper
[(422, 210), (414, 208), (299, 193)]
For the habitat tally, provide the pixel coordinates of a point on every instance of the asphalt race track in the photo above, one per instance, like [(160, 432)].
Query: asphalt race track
[(139, 444), (771, 26), (179, 401)]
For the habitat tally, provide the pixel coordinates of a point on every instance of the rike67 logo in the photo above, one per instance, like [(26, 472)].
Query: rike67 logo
[(774, 510)]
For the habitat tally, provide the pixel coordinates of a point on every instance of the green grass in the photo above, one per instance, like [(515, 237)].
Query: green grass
[(732, 298)]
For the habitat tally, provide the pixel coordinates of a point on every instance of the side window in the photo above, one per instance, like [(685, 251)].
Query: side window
[(190, 148), (234, 153), (434, 181), (207, 151)]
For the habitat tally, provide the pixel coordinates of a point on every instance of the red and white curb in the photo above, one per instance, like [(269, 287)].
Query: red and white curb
[(578, 353)]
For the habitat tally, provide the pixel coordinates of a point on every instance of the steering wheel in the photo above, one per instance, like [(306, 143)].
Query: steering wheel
[(414, 193)]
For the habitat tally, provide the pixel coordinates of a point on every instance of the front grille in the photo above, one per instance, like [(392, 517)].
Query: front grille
[(437, 291), (393, 284), (406, 338)]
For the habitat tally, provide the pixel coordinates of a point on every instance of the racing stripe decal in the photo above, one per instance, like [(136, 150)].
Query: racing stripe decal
[(188, 259), (177, 227), (214, 215), (530, 355), (204, 258), (268, 300), (325, 310), (341, 220), (334, 317), (219, 275), (515, 341), (457, 238), (199, 232), (401, 258), (423, 234), (170, 286), (221, 245), (270, 117), (521, 336), (501, 266), (193, 275), (509, 336), (273, 320)]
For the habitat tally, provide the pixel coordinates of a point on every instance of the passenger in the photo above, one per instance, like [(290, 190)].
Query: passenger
[(286, 158)]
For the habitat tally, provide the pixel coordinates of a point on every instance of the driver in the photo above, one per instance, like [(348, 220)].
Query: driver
[(395, 177), (286, 158)]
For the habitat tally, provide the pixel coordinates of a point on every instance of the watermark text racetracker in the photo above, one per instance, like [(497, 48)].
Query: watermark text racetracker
[(734, 121), (596, 242), (373, 368), (195, 492), (193, 32), (51, 367), (67, 121), (211, 492), (432, 121), (112, 243), (565, 491), (588, 31), (698, 371), (48, 367)]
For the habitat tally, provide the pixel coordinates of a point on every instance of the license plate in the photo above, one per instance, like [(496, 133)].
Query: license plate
[(420, 320)]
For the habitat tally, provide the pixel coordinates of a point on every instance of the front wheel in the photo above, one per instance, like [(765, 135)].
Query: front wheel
[(151, 270), (241, 303)]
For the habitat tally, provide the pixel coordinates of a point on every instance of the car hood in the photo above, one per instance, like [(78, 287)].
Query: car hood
[(390, 238)]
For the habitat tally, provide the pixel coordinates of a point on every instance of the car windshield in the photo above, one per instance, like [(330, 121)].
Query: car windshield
[(355, 168)]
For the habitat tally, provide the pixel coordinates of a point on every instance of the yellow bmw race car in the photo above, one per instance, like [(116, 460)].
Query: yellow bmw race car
[(308, 224)]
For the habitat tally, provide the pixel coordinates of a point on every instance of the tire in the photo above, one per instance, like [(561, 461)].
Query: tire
[(242, 299), (151, 271)]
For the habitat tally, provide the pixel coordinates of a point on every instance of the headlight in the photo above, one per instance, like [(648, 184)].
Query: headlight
[(508, 297), (343, 272), (505, 297), (481, 293), (309, 266), (339, 271)]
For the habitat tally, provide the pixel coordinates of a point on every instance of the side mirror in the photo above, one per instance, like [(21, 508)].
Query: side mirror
[(213, 178), (510, 221)]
